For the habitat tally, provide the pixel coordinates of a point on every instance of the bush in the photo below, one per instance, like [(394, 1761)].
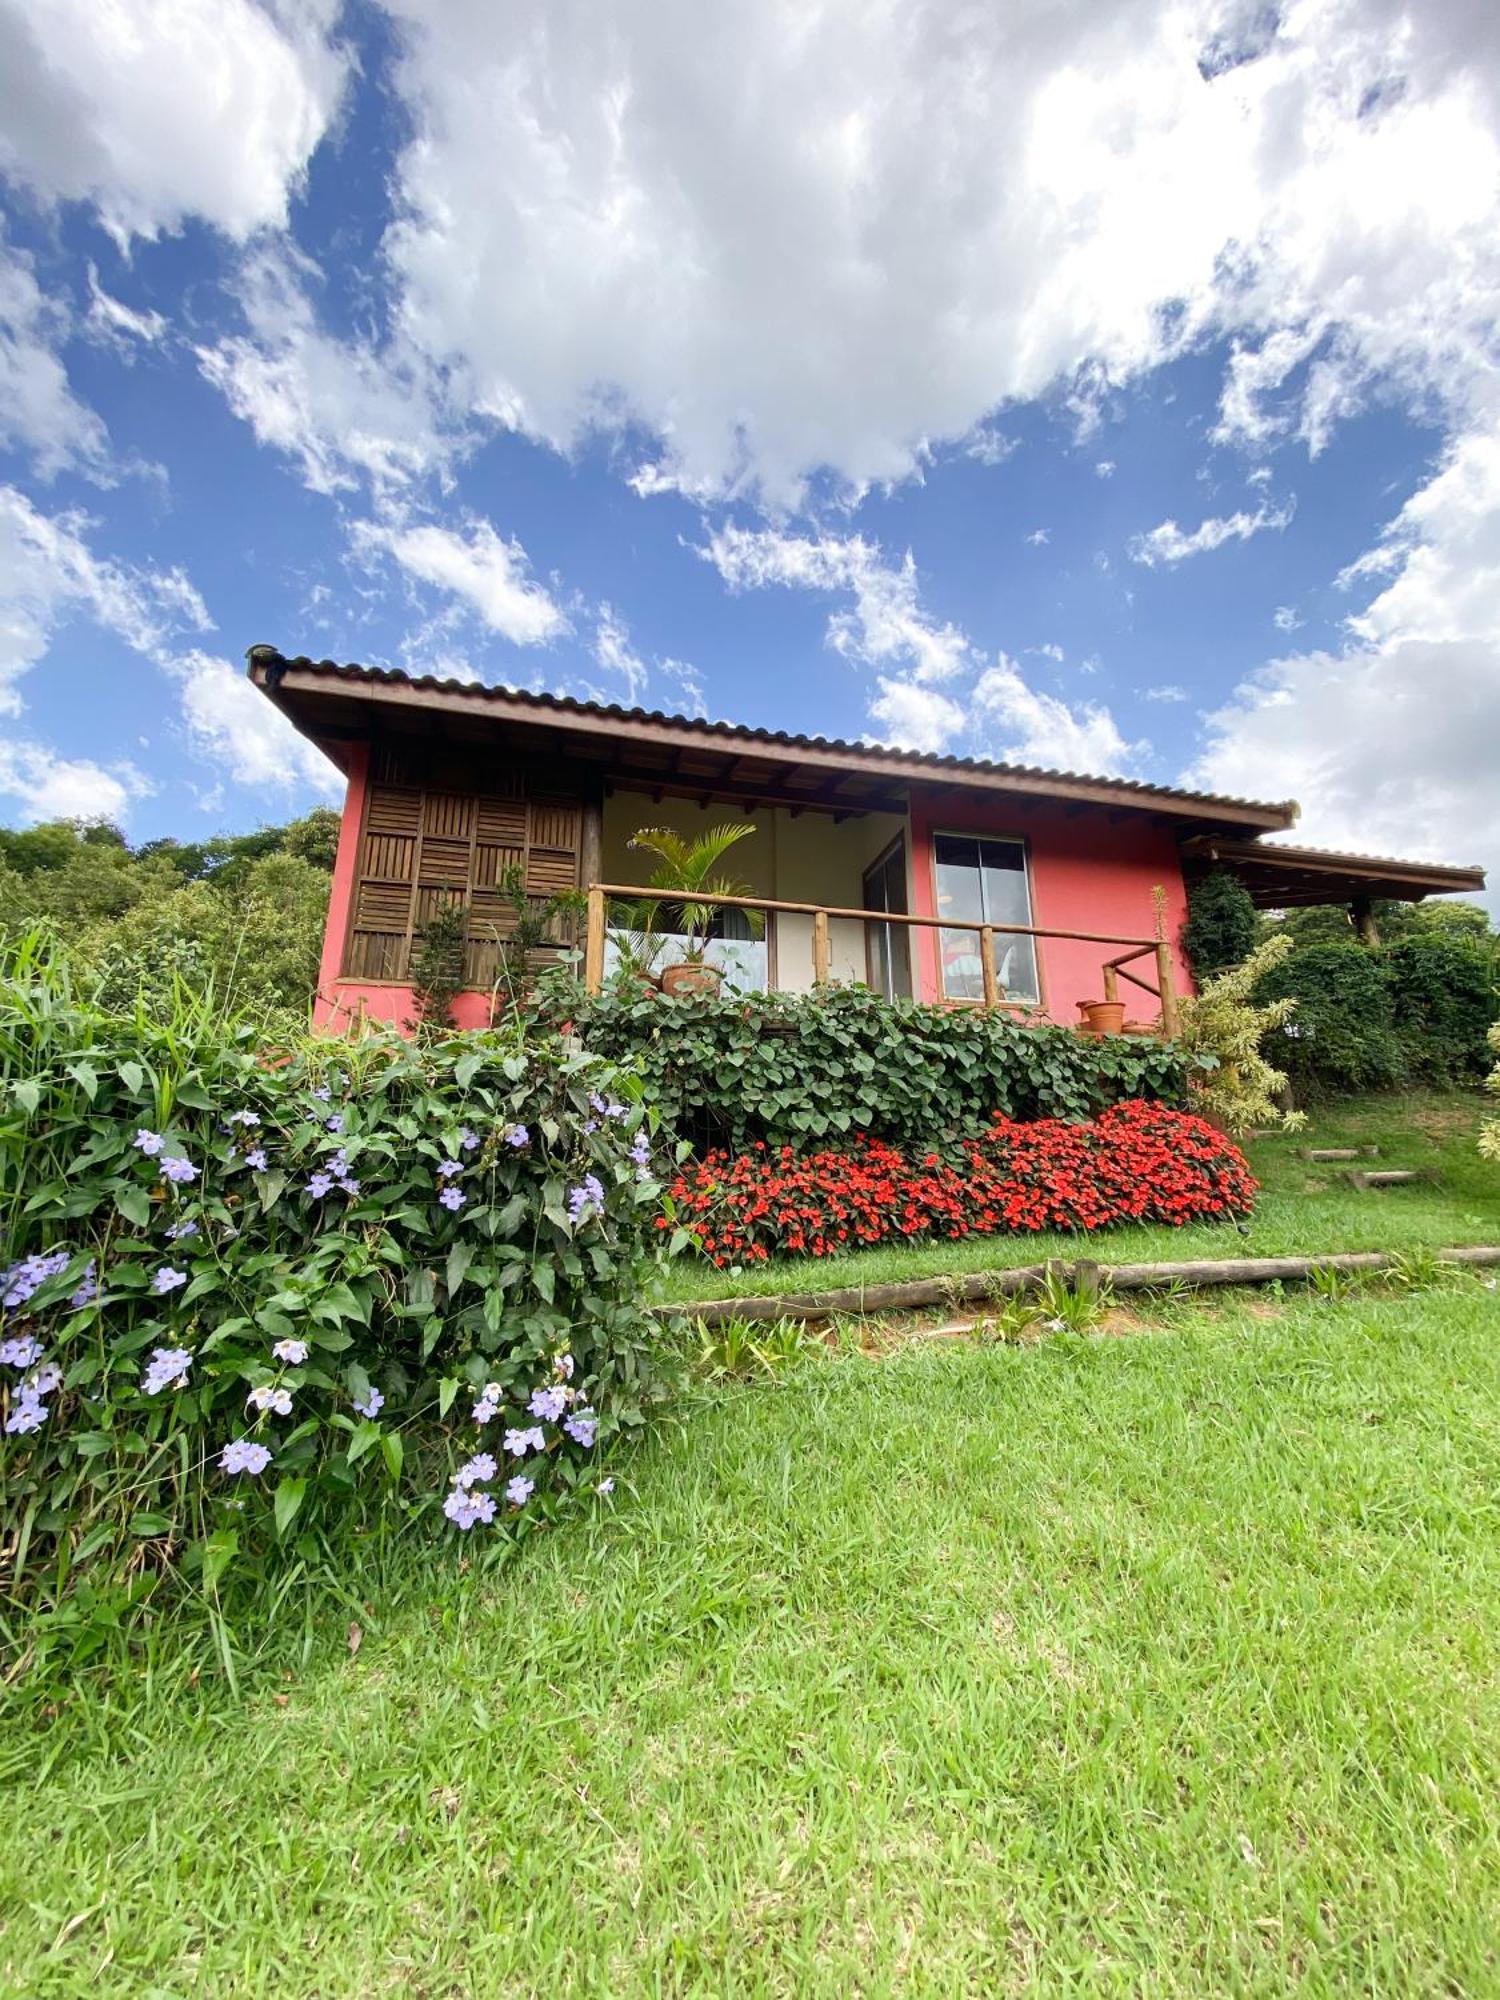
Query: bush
[(1442, 1001), (787, 1069), (310, 1264), (1341, 1037), (1221, 925), (1224, 1029), (1136, 1163)]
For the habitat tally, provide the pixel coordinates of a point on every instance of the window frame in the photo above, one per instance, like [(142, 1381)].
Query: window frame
[(1021, 840)]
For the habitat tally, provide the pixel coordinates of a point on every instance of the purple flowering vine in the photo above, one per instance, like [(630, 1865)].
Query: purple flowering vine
[(244, 1455), (167, 1280)]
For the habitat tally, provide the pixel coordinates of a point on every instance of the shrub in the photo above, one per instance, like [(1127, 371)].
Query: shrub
[(1223, 1028), (1442, 1001), (1221, 925), (1341, 1036), (331, 1252), (1137, 1162), (789, 1068), (1489, 1137)]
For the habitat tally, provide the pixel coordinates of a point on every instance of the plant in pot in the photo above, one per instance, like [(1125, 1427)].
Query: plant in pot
[(685, 871), (637, 945)]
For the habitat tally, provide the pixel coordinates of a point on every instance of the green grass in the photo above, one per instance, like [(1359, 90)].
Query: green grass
[(1302, 1209), (1161, 1665)]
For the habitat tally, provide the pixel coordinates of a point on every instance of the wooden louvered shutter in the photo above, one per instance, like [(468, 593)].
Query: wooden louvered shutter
[(426, 846)]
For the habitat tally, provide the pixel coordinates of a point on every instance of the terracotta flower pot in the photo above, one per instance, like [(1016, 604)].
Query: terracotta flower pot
[(1102, 1017), (692, 977)]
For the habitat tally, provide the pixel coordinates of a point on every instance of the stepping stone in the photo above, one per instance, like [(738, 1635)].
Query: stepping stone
[(1392, 1177), (1340, 1152)]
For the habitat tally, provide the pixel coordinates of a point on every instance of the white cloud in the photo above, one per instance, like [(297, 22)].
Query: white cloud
[(599, 219), (615, 654), (1049, 651), (989, 445), (1168, 544), (916, 718), (1168, 693), (1286, 618), (39, 413), (1390, 744), (230, 722), (886, 625), (1039, 537), (472, 564), (45, 786), (1027, 727), (1105, 469), (118, 325), (48, 572), (158, 110), (340, 409)]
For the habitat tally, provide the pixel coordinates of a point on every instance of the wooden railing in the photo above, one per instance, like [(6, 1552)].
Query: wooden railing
[(1164, 992)]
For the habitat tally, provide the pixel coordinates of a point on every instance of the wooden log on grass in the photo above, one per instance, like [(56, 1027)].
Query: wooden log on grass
[(1340, 1152), (913, 1294), (1391, 1177)]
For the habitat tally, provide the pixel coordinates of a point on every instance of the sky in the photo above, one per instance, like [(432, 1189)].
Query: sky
[(1108, 388)]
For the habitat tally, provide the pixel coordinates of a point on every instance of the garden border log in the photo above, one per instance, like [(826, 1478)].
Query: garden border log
[(979, 1286)]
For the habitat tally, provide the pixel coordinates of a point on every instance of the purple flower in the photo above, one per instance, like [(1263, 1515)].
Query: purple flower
[(586, 1199), (181, 1229), (243, 1455), (582, 1427), (167, 1369), (319, 1184), (150, 1143), (178, 1170), (468, 1140), (243, 1118), (606, 1106), (322, 1093), (453, 1199), (480, 1466), (19, 1283), (21, 1353), (28, 1413), (448, 1169), (293, 1351), (563, 1367), (488, 1405), (267, 1396), (517, 1136), (464, 1507), (640, 1149), (167, 1280), (256, 1158), (372, 1405), (548, 1403), (88, 1287), (351, 1188), (338, 1165), (606, 1487), (519, 1442), (336, 1122), (43, 1381), (518, 1490)]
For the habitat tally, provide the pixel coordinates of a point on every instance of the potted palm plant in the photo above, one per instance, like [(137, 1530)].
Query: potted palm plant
[(685, 871)]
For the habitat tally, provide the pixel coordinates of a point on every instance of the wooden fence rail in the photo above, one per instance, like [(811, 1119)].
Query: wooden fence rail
[(600, 895)]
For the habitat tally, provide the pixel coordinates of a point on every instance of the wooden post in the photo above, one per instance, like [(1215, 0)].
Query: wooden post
[(1111, 983), (1363, 917), (987, 966), (1167, 988), (593, 950), (820, 947)]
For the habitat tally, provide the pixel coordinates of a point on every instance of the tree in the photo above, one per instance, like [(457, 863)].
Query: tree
[(1221, 926)]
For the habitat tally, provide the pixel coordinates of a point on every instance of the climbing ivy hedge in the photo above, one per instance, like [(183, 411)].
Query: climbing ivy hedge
[(792, 1068)]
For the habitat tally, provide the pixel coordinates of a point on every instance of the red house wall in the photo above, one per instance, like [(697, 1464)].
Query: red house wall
[(1087, 874)]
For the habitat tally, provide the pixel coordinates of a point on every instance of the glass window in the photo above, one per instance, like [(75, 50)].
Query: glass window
[(984, 882)]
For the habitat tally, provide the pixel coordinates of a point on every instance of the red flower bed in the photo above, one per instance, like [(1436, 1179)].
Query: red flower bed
[(1136, 1162)]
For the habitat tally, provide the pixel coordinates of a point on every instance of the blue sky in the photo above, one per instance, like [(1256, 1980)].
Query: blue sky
[(1112, 389)]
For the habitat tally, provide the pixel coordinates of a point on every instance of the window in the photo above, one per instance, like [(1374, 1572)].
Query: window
[(984, 882)]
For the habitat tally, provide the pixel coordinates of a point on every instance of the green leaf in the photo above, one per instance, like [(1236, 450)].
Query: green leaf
[(85, 1074), (448, 1388), (150, 1524), (393, 1451), (132, 1076), (268, 1189), (368, 1434), (467, 1068), (28, 1095), (217, 1552), (288, 1499), (460, 1257), (134, 1205)]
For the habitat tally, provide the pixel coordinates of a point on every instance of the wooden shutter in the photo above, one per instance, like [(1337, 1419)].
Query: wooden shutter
[(443, 831)]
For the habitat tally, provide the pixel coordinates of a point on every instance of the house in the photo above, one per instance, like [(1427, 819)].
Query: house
[(944, 878)]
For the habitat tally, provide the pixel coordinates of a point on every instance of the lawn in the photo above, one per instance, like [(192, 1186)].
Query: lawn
[(1162, 1664), (1303, 1208)]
